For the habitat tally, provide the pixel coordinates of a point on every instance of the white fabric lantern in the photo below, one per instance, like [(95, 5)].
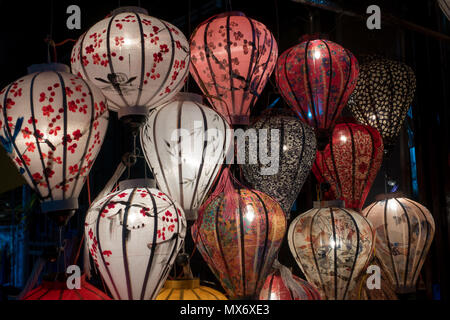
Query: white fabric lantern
[(134, 236), (445, 7), (137, 60), (185, 144), (52, 126)]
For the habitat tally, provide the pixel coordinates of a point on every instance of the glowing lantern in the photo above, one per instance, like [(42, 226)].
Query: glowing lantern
[(239, 232), (52, 126), (332, 245), (445, 7), (316, 78), (138, 61), (350, 162), (58, 290), (232, 57), (188, 290), (404, 231), (382, 97), (185, 144), (134, 236), (296, 146)]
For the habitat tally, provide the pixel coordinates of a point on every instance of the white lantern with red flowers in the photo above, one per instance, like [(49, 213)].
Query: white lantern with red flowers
[(52, 125), (137, 60)]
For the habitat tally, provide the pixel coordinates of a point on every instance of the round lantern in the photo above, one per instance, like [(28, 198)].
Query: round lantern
[(296, 146), (52, 289), (137, 60), (239, 232), (404, 231), (382, 97), (316, 78), (134, 236), (52, 125), (350, 162), (188, 290), (445, 7), (185, 144), (332, 245), (232, 57)]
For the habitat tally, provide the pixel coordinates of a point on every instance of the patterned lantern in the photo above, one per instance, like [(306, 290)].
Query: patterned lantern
[(296, 146), (58, 290), (232, 57), (316, 78), (134, 236), (138, 61), (350, 162), (52, 125), (382, 97), (445, 7), (188, 290), (332, 245), (239, 232), (404, 231), (185, 144)]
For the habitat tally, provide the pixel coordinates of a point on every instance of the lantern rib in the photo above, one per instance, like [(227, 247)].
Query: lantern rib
[(141, 29), (302, 153), (64, 166), (93, 292), (44, 294), (313, 253), (207, 291), (339, 192), (394, 269), (80, 297), (312, 103), (251, 67), (180, 165), (230, 64), (270, 287), (356, 254), (361, 204), (335, 253), (241, 228), (409, 242), (353, 161), (329, 84)]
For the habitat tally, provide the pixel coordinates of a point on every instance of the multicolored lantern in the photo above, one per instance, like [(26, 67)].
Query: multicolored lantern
[(232, 57), (296, 147), (316, 78), (350, 163), (58, 290), (404, 232), (332, 245), (188, 290), (383, 96), (137, 60), (239, 232), (52, 125), (185, 144), (134, 236)]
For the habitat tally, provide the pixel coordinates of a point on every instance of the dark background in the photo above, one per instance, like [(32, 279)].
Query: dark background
[(24, 26)]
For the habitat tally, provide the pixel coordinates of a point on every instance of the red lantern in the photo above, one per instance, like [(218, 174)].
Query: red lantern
[(58, 290), (350, 163), (232, 57), (316, 78)]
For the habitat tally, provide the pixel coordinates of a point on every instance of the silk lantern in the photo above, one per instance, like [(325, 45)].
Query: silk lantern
[(350, 162), (445, 7), (134, 236), (332, 245), (239, 232), (52, 125), (383, 96), (137, 60), (232, 57), (52, 289), (185, 144), (404, 232), (188, 289), (296, 147), (316, 78)]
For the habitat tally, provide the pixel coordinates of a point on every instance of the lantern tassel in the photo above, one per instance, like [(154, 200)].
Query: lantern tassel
[(288, 280)]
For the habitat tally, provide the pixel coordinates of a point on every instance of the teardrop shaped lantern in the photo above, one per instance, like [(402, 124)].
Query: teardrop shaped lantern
[(185, 144), (188, 290), (137, 60), (350, 162), (232, 57), (134, 236), (294, 145), (316, 78), (404, 231), (383, 96), (52, 125), (239, 232), (332, 245), (445, 7), (52, 289)]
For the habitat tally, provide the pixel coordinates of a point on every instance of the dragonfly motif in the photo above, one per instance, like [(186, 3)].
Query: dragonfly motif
[(118, 82)]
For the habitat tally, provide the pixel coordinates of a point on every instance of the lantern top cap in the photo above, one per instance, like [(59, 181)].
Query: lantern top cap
[(183, 96), (328, 204), (130, 9), (42, 67), (182, 284), (387, 196), (137, 183), (230, 13)]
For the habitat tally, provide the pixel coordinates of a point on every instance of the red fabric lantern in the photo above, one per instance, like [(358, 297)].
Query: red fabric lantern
[(350, 163), (316, 78), (232, 57), (57, 290)]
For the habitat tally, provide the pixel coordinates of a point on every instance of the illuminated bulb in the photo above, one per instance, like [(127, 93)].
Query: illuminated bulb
[(317, 54), (128, 42), (250, 215), (332, 243), (392, 205), (273, 296), (343, 138), (285, 147)]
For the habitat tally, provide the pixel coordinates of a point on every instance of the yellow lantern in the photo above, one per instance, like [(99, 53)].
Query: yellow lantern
[(188, 290)]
